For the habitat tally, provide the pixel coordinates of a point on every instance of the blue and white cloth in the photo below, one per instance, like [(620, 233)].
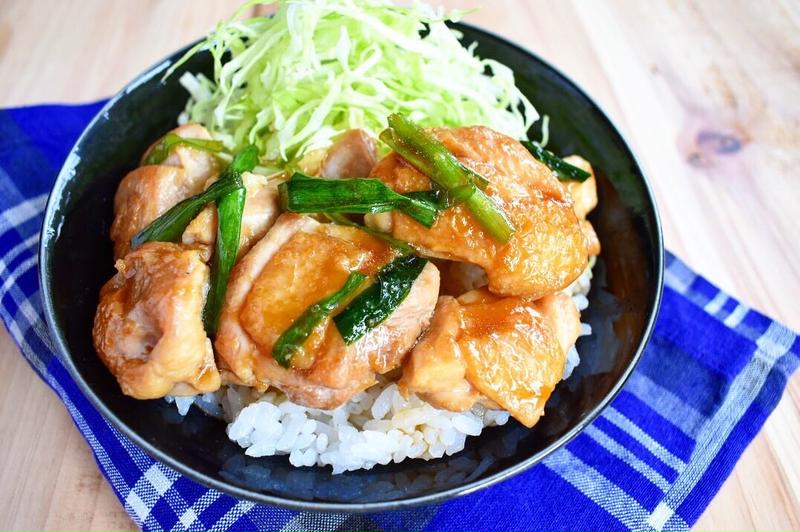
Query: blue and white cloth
[(711, 375)]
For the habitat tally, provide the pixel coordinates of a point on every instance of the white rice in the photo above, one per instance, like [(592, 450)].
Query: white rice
[(377, 426)]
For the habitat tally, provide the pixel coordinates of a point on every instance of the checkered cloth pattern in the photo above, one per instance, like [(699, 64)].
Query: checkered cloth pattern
[(654, 459)]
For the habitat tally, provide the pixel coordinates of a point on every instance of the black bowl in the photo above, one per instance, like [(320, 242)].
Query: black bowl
[(76, 259)]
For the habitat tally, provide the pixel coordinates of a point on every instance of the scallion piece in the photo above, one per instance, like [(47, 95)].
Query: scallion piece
[(292, 339), (563, 170), (160, 151), (230, 209), (377, 302), (306, 194), (428, 155), (403, 247), (170, 226)]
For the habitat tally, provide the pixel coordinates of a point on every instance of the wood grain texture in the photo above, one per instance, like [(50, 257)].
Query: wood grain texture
[(706, 91)]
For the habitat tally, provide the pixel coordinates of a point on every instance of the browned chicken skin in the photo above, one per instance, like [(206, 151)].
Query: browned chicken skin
[(149, 191), (584, 196), (148, 328), (482, 348), (296, 264), (352, 155), (548, 250)]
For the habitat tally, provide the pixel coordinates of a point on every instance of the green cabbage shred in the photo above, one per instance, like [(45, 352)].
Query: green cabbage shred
[(294, 81)]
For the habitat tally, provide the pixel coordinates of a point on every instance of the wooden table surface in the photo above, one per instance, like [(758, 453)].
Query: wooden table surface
[(706, 91)]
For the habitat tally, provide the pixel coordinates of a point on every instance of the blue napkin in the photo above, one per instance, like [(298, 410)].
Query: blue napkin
[(711, 375)]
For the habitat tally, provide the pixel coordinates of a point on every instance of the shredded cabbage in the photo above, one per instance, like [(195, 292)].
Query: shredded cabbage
[(294, 81)]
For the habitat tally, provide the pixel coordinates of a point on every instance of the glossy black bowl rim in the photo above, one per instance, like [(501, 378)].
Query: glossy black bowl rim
[(60, 342)]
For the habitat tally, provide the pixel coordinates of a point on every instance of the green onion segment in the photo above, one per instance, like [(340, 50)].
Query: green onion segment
[(160, 151), (230, 209), (292, 339), (403, 247), (428, 155), (170, 226), (563, 170), (377, 302), (304, 194)]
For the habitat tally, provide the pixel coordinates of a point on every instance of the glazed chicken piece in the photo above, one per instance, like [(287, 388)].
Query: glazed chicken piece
[(460, 277), (352, 155), (149, 191), (261, 208), (584, 196), (481, 348), (297, 263), (548, 250), (148, 328), (196, 163)]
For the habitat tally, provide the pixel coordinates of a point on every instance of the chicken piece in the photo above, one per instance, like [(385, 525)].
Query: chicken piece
[(352, 155), (261, 208), (461, 277), (548, 250), (148, 328), (584, 195), (149, 191), (196, 163), (486, 349), (592, 240), (296, 264), (435, 370)]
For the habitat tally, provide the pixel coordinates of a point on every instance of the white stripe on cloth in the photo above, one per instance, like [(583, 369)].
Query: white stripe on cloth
[(160, 482), (134, 504), (186, 520), (157, 481), (772, 345), (190, 518), (716, 303), (18, 334), (598, 488), (633, 430), (29, 313), (11, 277), (668, 405), (151, 486), (29, 244), (22, 212), (314, 521), (142, 461), (19, 326), (659, 517), (234, 513), (735, 318), (679, 277), (618, 450), (22, 300)]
